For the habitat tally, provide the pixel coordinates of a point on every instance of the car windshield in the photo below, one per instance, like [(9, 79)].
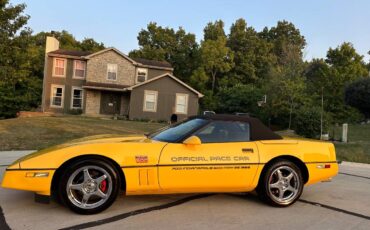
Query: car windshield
[(178, 131)]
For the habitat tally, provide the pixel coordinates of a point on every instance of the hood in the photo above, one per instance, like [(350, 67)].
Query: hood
[(106, 138)]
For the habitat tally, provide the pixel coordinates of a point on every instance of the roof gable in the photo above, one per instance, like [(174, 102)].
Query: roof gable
[(140, 62), (170, 76), (110, 49)]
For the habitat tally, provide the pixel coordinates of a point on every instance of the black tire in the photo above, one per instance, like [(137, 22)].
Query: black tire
[(74, 175), (270, 186)]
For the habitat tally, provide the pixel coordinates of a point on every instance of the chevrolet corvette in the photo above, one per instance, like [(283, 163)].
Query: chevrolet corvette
[(217, 153)]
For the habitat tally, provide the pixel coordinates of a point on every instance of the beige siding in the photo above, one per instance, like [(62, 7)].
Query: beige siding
[(97, 69), (92, 102), (66, 81), (125, 104), (157, 72), (167, 89)]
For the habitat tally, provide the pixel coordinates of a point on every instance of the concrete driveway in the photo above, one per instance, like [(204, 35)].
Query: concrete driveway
[(343, 203)]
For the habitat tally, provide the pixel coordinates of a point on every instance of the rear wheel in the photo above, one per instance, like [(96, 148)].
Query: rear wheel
[(89, 186), (281, 185)]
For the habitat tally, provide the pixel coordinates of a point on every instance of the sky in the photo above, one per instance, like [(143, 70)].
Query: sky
[(324, 23)]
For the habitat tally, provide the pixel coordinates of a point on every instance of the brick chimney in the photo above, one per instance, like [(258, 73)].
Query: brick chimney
[(51, 44)]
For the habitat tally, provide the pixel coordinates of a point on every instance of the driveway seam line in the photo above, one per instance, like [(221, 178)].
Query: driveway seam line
[(349, 174), (335, 209), (134, 213), (3, 224)]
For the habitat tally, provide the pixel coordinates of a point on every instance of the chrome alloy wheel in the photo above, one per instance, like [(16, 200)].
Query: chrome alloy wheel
[(89, 187), (283, 185)]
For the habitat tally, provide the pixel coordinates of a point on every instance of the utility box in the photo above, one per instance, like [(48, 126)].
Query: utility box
[(345, 133)]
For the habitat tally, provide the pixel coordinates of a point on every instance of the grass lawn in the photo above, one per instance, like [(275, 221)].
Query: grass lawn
[(40, 132), (358, 147)]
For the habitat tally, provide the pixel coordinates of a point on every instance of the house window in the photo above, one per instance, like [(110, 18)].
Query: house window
[(77, 95), (112, 72), (80, 68), (141, 75), (57, 96), (59, 67), (181, 103), (150, 101)]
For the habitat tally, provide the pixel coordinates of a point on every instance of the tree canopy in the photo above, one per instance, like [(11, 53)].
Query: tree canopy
[(22, 59)]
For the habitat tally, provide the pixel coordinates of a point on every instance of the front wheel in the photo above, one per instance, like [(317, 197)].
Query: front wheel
[(89, 186), (281, 185)]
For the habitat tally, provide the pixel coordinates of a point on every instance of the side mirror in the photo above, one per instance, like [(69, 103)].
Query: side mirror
[(193, 140)]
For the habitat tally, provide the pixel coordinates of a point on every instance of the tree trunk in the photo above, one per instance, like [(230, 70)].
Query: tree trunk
[(290, 114), (213, 81)]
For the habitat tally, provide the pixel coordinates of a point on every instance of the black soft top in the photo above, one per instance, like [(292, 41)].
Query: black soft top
[(258, 130)]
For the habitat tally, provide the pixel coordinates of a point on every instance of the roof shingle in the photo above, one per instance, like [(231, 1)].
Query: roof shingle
[(104, 85), (152, 62), (76, 53)]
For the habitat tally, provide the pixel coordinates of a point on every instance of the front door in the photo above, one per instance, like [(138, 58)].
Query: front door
[(226, 161), (110, 103)]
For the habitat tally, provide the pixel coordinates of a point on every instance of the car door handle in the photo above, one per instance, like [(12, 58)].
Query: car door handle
[(247, 150)]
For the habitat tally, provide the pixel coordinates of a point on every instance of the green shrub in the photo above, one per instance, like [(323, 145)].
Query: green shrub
[(141, 119), (357, 95), (75, 111), (307, 122), (162, 121), (239, 98)]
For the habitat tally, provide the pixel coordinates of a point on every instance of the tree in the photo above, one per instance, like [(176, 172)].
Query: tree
[(239, 98), (346, 66), (89, 44), (287, 41), (14, 63), (214, 31), (317, 74), (347, 63), (216, 58), (166, 44), (252, 55), (357, 95)]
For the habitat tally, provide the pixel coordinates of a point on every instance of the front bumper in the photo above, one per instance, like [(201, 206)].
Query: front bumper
[(23, 179)]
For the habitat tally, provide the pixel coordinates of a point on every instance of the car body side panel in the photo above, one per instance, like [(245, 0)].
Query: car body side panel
[(209, 167), (314, 154)]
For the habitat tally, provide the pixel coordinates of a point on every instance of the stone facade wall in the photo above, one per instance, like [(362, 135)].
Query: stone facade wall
[(97, 69), (92, 101)]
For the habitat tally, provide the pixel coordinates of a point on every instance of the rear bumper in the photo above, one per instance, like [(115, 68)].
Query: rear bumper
[(22, 179), (321, 171)]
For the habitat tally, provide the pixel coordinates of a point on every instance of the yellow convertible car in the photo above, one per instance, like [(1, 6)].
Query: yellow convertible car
[(218, 153)]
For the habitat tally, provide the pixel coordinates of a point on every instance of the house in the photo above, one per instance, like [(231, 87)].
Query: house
[(109, 82)]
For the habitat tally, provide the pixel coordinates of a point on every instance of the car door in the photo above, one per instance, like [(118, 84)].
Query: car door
[(225, 160)]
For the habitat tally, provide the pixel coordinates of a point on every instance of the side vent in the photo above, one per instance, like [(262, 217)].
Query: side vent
[(146, 177)]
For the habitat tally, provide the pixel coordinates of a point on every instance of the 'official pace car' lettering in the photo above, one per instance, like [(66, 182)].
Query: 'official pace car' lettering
[(210, 159)]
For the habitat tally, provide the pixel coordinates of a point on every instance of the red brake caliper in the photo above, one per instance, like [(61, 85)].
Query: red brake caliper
[(103, 185)]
